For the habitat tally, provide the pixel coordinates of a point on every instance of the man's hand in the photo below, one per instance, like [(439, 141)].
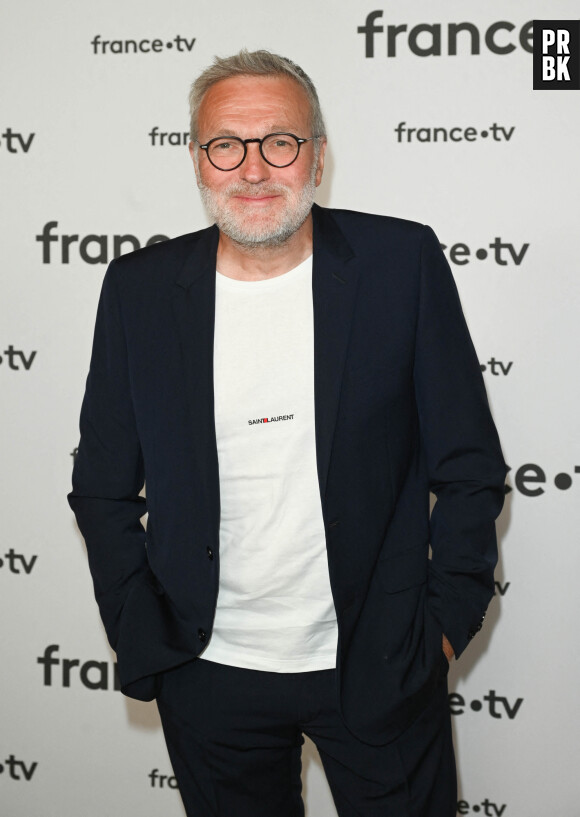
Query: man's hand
[(448, 649)]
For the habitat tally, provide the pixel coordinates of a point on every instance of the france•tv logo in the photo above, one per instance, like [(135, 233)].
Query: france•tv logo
[(556, 55)]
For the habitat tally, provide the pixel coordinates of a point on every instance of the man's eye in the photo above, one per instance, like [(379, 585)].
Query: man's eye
[(223, 146), (281, 143)]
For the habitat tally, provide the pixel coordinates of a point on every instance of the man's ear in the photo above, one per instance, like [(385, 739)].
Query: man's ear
[(320, 162), (193, 154)]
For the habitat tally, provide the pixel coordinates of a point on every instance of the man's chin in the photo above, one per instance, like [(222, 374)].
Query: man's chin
[(257, 239), (260, 235)]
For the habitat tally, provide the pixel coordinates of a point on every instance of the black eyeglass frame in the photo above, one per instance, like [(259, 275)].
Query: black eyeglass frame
[(246, 142)]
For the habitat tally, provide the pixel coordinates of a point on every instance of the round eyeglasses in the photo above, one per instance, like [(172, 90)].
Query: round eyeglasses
[(277, 149)]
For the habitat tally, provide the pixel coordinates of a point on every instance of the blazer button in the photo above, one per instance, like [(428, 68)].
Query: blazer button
[(202, 635), (210, 553)]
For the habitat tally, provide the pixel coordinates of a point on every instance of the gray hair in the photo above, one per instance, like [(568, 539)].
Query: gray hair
[(253, 63)]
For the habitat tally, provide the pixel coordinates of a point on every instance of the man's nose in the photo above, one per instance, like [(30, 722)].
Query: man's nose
[(254, 168)]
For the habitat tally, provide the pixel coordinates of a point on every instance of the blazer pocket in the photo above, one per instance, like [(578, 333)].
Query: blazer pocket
[(404, 570)]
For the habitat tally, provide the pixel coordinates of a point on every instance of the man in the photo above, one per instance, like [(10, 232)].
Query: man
[(290, 384)]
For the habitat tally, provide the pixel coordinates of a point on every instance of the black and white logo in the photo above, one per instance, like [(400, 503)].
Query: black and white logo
[(18, 563), (503, 253), (556, 55), (17, 769), (164, 138), (92, 248), (497, 368), (501, 589), (486, 806), (67, 672), (146, 45), (17, 359), (437, 39), (492, 704), (530, 477), (161, 781), (15, 142), (453, 134)]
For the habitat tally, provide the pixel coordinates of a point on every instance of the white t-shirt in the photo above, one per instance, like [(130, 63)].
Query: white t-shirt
[(274, 610)]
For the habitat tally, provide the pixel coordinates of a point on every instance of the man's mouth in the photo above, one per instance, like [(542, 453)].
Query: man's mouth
[(256, 199)]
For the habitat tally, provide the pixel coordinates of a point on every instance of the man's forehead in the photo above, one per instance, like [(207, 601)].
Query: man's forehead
[(274, 103)]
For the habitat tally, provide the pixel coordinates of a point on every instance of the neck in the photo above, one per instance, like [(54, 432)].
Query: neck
[(256, 263)]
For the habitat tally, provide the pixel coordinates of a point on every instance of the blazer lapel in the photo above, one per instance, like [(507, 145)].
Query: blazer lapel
[(194, 311), (334, 283)]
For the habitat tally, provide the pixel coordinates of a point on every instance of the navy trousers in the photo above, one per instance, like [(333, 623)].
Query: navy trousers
[(235, 737)]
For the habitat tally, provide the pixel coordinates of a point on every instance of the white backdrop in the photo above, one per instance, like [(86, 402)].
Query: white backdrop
[(76, 149)]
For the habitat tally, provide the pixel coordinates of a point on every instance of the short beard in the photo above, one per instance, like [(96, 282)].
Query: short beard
[(257, 236)]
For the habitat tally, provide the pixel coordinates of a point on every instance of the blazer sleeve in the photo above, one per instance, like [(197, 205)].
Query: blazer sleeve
[(464, 459), (108, 472)]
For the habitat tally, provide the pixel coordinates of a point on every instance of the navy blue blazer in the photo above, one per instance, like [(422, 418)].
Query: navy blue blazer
[(400, 410)]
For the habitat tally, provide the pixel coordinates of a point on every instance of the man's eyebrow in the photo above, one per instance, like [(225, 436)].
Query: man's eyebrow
[(225, 132)]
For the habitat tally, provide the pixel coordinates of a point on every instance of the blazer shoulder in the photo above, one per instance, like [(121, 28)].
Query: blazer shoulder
[(382, 237), (162, 253), (172, 249), (355, 220), (158, 264), (370, 232)]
